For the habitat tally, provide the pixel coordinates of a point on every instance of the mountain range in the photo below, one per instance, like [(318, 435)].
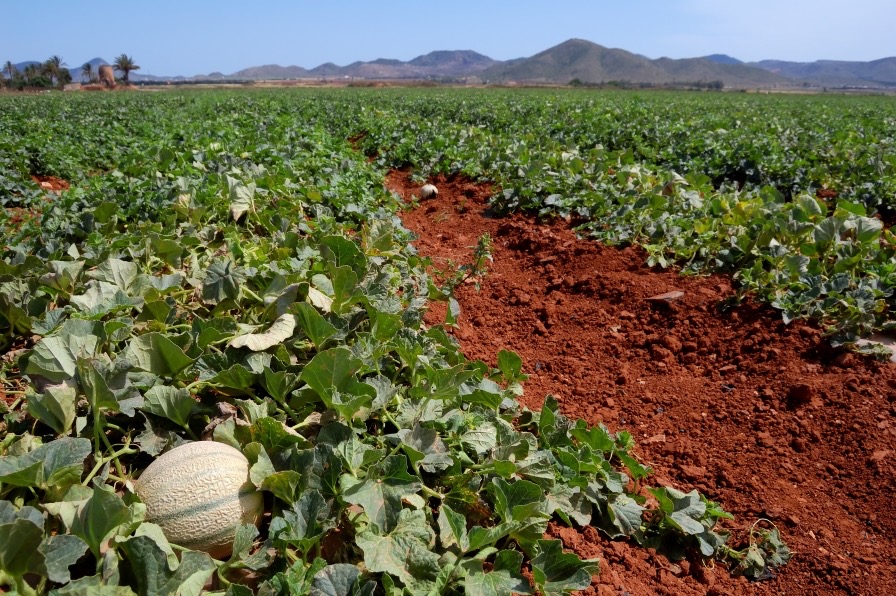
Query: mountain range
[(580, 60)]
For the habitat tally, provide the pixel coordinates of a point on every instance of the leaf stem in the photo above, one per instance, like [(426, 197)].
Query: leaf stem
[(252, 294), (431, 493), (126, 450), (118, 466)]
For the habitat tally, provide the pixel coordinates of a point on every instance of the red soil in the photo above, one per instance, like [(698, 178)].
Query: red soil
[(51, 183), (764, 417)]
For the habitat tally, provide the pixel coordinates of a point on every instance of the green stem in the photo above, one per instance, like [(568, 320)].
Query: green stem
[(389, 418), (126, 450), (118, 466), (191, 433), (395, 450), (252, 294), (290, 412), (195, 384), (431, 493), (221, 570)]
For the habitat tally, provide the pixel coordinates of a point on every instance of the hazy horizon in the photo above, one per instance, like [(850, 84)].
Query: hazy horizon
[(189, 38)]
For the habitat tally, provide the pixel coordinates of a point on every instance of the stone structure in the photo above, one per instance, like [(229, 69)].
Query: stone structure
[(107, 76)]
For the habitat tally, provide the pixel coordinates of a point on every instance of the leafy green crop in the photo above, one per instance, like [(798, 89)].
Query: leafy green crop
[(227, 267), (785, 193)]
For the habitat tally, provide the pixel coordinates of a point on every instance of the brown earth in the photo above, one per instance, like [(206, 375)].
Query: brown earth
[(764, 417), (51, 183)]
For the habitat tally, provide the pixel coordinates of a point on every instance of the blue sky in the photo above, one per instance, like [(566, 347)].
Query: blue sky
[(188, 37)]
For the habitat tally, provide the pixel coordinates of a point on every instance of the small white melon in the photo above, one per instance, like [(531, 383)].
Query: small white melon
[(199, 494), (428, 191)]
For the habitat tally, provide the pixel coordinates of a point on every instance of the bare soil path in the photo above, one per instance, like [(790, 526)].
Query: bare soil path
[(764, 417)]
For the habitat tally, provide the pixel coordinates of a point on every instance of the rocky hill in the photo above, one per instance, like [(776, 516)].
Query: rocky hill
[(592, 63)]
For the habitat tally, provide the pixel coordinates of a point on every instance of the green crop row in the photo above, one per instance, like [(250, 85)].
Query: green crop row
[(790, 195)]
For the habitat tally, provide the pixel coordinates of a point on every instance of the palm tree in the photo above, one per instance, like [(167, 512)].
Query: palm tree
[(87, 72), (125, 64), (54, 67), (10, 69), (33, 76)]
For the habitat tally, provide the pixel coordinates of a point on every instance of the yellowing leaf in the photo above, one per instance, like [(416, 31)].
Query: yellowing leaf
[(277, 333), (320, 300)]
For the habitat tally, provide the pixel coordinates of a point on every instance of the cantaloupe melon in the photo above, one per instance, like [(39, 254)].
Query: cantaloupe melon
[(200, 493)]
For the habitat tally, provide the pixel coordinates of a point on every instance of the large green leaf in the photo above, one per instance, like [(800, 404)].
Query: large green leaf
[(56, 357), (332, 369), (56, 407), (58, 463), (452, 529), (153, 576), (283, 485), (274, 436), (317, 328), (99, 517), (242, 197), (556, 572), (19, 542), (222, 280), (61, 552), (305, 523), (92, 379), (101, 298), (17, 318), (684, 510), (156, 353), (518, 501), (121, 274), (504, 578), (381, 493), (623, 517), (62, 275), (279, 384), (170, 402), (332, 375), (425, 448), (337, 580), (342, 252), (345, 289), (405, 552), (320, 469)]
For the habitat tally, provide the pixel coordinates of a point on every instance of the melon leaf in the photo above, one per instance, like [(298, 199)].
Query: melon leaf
[(277, 333)]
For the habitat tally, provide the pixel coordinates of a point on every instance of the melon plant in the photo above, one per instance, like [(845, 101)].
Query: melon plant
[(199, 494)]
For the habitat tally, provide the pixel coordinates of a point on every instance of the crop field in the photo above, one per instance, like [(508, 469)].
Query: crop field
[(616, 353)]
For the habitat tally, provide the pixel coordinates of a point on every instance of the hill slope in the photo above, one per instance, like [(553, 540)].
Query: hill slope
[(593, 63), (271, 71), (443, 63), (877, 73)]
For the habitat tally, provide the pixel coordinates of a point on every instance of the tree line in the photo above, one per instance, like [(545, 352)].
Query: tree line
[(53, 73)]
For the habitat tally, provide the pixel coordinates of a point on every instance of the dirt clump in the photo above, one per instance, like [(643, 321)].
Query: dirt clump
[(50, 183), (766, 418)]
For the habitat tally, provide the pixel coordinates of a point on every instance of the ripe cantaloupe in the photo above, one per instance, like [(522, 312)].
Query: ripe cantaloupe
[(199, 494)]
